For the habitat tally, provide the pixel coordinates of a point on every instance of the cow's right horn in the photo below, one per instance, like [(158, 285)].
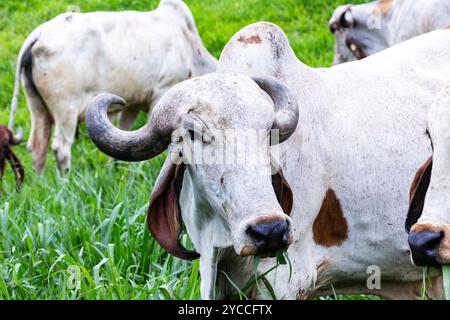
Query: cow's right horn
[(286, 108), (142, 144)]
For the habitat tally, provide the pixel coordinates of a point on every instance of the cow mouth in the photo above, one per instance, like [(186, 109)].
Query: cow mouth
[(264, 236), (248, 251), (265, 252)]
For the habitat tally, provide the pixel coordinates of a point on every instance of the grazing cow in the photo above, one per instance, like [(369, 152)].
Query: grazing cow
[(364, 29), (69, 59), (352, 136), (428, 222), (8, 139)]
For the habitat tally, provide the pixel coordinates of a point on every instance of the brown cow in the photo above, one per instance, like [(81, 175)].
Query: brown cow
[(7, 140)]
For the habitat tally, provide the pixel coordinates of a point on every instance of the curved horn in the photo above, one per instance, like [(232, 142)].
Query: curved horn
[(17, 138), (143, 144), (286, 107)]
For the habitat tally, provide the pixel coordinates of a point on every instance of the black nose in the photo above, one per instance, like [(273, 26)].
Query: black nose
[(269, 237), (424, 247)]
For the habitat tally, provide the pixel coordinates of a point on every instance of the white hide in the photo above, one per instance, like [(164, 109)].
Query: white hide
[(362, 133), (137, 55), (380, 24), (436, 211)]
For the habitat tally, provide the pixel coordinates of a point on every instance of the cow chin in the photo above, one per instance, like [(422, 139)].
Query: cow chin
[(263, 235)]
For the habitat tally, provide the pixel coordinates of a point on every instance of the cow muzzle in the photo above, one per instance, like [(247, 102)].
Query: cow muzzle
[(267, 235), (430, 244)]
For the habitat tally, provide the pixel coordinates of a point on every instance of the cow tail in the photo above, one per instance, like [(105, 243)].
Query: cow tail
[(23, 67)]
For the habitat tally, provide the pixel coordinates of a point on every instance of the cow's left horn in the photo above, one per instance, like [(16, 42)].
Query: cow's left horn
[(142, 144), (286, 107), (17, 138)]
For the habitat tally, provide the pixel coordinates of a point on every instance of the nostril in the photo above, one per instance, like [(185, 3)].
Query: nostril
[(265, 230), (258, 233), (269, 237), (255, 233), (425, 239), (424, 247)]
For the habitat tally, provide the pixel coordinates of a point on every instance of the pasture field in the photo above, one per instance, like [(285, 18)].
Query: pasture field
[(84, 236)]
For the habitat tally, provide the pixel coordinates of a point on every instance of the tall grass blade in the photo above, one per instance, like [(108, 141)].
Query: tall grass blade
[(446, 280)]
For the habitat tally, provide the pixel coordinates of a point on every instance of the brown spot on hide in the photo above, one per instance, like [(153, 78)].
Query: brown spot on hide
[(252, 39), (330, 227)]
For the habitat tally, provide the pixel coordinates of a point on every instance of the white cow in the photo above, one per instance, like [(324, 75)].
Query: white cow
[(353, 136), (428, 220), (364, 29), (71, 58)]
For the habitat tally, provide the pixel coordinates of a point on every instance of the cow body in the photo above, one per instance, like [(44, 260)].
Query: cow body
[(68, 60), (428, 222), (364, 29)]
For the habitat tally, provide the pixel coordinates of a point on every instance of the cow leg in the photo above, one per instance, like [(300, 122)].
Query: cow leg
[(41, 127), (127, 118), (65, 130)]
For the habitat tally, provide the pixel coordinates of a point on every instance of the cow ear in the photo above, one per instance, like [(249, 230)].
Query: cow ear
[(417, 193), (164, 214), (283, 192)]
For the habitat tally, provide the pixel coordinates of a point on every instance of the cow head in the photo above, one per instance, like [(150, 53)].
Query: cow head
[(7, 139), (223, 203), (428, 221), (358, 30)]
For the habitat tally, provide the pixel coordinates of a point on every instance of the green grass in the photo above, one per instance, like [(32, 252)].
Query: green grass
[(446, 280), (91, 226)]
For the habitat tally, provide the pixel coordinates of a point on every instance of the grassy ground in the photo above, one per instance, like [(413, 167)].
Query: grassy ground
[(90, 226)]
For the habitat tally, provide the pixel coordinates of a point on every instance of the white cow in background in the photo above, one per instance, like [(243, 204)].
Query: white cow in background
[(428, 220), (364, 29), (353, 136), (71, 58)]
